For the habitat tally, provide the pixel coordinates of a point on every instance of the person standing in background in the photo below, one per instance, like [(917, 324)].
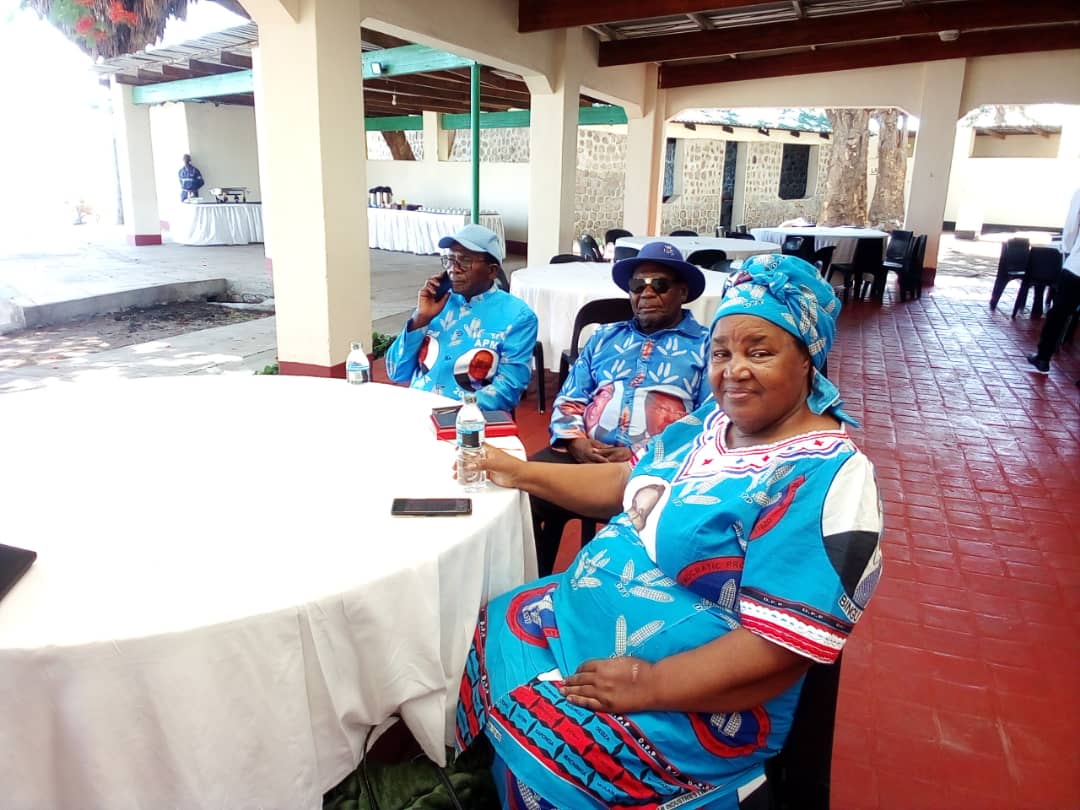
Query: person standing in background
[(190, 179), (1067, 295)]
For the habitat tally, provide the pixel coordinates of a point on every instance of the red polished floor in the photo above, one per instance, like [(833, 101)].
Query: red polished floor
[(960, 684)]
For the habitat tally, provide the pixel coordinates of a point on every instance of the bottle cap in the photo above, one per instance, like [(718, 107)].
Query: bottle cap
[(356, 347)]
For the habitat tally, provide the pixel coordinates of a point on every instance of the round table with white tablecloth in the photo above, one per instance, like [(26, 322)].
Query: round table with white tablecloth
[(420, 231), (556, 292), (734, 248), (216, 223), (222, 606)]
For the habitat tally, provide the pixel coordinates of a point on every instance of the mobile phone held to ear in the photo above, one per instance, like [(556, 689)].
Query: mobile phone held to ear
[(444, 286), (431, 507)]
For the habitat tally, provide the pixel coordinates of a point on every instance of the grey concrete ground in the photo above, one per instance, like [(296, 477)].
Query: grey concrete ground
[(80, 270)]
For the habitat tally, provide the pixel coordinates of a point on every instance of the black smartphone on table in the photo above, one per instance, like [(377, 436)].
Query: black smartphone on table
[(431, 507), (444, 286)]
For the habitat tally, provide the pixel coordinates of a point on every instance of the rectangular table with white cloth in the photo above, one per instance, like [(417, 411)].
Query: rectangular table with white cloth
[(844, 238), (216, 223), (556, 292), (734, 248), (420, 231), (214, 627)]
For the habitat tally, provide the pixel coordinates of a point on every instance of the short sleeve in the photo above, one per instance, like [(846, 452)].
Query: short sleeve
[(813, 559)]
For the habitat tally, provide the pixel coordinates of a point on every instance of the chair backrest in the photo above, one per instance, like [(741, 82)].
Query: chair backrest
[(899, 244), (566, 258), (710, 258), (823, 258), (799, 777), (683, 232), (602, 310), (501, 280), (615, 233), (915, 257), (1044, 264), (623, 252), (590, 249), (739, 235), (1014, 255), (867, 256), (800, 246)]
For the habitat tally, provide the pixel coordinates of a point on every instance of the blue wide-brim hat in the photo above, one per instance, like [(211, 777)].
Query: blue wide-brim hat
[(478, 239), (666, 255)]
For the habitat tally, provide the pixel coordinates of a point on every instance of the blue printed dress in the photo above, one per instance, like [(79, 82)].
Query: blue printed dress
[(780, 539)]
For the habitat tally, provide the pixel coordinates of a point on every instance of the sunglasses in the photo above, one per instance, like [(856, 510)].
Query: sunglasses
[(659, 284)]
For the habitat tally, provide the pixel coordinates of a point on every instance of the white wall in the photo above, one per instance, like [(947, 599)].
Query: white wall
[(504, 187), (169, 134)]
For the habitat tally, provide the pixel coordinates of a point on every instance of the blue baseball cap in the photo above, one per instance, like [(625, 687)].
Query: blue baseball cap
[(666, 255), (477, 238)]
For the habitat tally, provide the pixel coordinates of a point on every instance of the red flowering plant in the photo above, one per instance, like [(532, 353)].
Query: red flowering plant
[(92, 21)]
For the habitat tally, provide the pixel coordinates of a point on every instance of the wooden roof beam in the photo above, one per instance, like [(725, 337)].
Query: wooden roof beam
[(543, 15), (876, 54), (913, 21), (235, 60)]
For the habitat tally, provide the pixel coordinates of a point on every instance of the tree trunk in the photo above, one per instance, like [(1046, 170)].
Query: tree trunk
[(400, 148), (845, 183), (887, 207)]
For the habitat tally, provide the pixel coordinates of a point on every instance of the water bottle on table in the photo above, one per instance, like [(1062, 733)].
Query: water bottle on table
[(470, 445), (357, 367)]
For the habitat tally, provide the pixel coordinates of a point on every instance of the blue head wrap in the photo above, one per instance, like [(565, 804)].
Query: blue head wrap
[(789, 292)]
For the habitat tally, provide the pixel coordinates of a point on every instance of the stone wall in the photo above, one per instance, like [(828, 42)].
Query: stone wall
[(378, 150), (696, 202), (509, 145), (599, 183), (762, 205)]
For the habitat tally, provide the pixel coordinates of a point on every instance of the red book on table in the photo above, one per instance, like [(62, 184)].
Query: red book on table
[(498, 423)]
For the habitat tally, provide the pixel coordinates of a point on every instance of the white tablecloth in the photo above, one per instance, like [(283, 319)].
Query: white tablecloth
[(222, 605), (216, 223), (557, 291), (843, 238), (420, 231), (734, 248)]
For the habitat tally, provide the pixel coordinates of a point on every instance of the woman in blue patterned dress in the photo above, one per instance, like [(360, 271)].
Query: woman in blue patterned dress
[(662, 668)]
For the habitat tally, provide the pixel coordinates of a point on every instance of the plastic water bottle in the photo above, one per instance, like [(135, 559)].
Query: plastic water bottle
[(357, 368), (470, 445)]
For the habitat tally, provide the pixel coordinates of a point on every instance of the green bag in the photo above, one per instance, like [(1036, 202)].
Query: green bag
[(419, 784)]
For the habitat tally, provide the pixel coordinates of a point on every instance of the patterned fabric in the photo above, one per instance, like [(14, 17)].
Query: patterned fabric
[(483, 345), (780, 539), (627, 386), (789, 292)]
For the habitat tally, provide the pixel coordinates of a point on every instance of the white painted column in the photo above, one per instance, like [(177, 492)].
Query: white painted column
[(553, 125), (262, 138), (135, 159), (643, 190), (943, 84), (434, 138), (311, 111)]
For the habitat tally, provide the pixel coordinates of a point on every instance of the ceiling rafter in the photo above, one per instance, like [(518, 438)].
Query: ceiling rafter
[(543, 15), (877, 54), (701, 21), (919, 20)]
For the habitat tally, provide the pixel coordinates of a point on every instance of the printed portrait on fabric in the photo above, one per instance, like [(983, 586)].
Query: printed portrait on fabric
[(476, 368)]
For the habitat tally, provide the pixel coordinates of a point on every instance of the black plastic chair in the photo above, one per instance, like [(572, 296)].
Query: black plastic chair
[(683, 232), (800, 246), (1043, 270), (740, 235), (566, 258), (710, 259), (590, 249), (614, 234), (1012, 263), (800, 776), (866, 260), (602, 310), (822, 259), (623, 252), (911, 276)]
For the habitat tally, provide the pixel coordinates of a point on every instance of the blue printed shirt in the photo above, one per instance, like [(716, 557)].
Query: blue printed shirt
[(484, 345), (627, 386)]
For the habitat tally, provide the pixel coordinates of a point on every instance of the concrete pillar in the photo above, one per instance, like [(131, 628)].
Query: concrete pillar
[(943, 84), (135, 160), (553, 124), (645, 139), (311, 113), (435, 139), (262, 137)]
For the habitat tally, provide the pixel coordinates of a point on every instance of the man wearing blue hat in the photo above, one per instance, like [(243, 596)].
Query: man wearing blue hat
[(631, 380), (466, 334)]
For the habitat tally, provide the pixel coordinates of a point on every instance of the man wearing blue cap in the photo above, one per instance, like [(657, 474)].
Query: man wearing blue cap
[(631, 380), (472, 337)]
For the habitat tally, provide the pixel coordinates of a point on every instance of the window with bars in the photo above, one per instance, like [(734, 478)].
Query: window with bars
[(794, 171)]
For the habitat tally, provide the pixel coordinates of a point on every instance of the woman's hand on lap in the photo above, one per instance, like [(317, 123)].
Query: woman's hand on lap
[(612, 685)]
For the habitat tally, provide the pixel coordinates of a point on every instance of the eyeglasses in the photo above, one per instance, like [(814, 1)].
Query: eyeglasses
[(466, 263), (659, 284)]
